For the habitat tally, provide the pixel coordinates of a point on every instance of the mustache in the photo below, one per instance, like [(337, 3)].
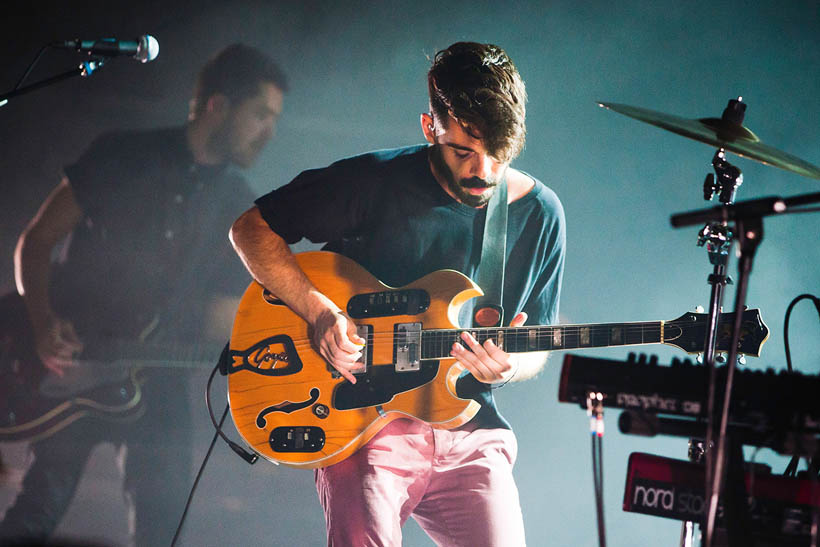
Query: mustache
[(476, 182)]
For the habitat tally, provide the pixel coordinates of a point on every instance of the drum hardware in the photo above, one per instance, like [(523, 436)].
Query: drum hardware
[(727, 133)]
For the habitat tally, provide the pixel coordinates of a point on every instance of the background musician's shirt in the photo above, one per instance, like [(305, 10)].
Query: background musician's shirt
[(153, 240)]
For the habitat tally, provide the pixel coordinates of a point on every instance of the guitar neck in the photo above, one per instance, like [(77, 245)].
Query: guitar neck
[(437, 343)]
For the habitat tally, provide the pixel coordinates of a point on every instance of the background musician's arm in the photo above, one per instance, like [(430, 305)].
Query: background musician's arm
[(55, 338), (270, 261)]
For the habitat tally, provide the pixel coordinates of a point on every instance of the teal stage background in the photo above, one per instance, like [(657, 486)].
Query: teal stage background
[(357, 72)]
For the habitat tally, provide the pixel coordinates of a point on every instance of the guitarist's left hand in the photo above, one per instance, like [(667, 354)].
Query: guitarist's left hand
[(488, 363)]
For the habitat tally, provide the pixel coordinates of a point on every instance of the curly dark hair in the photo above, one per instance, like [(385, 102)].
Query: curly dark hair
[(479, 86), (236, 72)]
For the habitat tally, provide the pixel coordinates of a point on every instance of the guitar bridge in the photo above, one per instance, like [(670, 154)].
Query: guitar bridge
[(407, 344)]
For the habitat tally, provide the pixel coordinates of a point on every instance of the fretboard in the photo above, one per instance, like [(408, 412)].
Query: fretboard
[(437, 343)]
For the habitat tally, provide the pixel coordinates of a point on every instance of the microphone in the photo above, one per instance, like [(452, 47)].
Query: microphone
[(144, 49)]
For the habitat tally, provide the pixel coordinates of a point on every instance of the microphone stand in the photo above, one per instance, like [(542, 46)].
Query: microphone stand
[(750, 234), (748, 219), (85, 69)]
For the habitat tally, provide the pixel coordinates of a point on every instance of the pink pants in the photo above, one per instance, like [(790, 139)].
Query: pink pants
[(457, 484)]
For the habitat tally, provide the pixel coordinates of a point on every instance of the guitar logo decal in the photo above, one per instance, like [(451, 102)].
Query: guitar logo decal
[(274, 356)]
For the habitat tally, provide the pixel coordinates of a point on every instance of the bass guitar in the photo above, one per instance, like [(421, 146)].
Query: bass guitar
[(292, 408)]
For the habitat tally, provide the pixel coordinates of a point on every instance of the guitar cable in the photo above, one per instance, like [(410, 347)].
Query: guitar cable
[(244, 454), (791, 468), (595, 410), (811, 461), (222, 367)]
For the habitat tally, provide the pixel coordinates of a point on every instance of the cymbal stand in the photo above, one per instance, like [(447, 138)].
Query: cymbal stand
[(687, 531), (717, 236)]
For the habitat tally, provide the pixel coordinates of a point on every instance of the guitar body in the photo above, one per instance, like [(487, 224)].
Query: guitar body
[(33, 412), (34, 404), (291, 407)]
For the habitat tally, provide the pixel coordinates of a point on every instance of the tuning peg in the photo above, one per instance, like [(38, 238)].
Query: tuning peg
[(699, 309), (699, 359), (741, 359)]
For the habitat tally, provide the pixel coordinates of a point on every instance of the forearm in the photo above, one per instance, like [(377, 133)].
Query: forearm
[(55, 219), (269, 260), (32, 267)]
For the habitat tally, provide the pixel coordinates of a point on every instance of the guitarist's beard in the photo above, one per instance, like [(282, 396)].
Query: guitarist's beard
[(459, 187)]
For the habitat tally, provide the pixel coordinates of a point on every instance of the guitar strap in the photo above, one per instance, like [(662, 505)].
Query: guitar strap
[(488, 310)]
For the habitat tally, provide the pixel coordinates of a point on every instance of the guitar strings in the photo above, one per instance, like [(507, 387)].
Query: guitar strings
[(567, 332), (485, 333), (542, 332)]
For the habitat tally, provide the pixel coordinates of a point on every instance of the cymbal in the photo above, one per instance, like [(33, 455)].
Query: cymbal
[(722, 133)]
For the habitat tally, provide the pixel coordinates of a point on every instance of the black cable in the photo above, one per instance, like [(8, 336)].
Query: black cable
[(598, 480), (791, 468), (786, 324), (815, 516), (811, 463), (245, 455), (241, 452), (198, 476)]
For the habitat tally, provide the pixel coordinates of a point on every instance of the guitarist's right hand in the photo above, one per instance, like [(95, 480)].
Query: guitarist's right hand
[(57, 344), (334, 337)]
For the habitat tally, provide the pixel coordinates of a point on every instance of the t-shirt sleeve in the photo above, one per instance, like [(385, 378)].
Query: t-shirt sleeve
[(94, 174), (543, 302), (321, 204)]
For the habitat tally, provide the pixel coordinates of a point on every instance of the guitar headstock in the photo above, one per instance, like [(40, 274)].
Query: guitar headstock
[(688, 332)]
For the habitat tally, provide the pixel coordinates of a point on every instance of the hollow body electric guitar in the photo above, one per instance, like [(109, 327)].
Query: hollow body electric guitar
[(291, 407)]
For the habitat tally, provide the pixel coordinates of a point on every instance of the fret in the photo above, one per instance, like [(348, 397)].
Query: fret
[(584, 332), (557, 338), (616, 336)]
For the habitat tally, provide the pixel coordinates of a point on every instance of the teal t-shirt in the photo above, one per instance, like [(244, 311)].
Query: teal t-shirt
[(386, 211)]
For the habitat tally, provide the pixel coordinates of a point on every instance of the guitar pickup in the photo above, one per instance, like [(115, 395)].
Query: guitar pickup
[(388, 303), (407, 344), (366, 332)]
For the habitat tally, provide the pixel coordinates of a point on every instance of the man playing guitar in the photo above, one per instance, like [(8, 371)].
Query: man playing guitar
[(401, 214)]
